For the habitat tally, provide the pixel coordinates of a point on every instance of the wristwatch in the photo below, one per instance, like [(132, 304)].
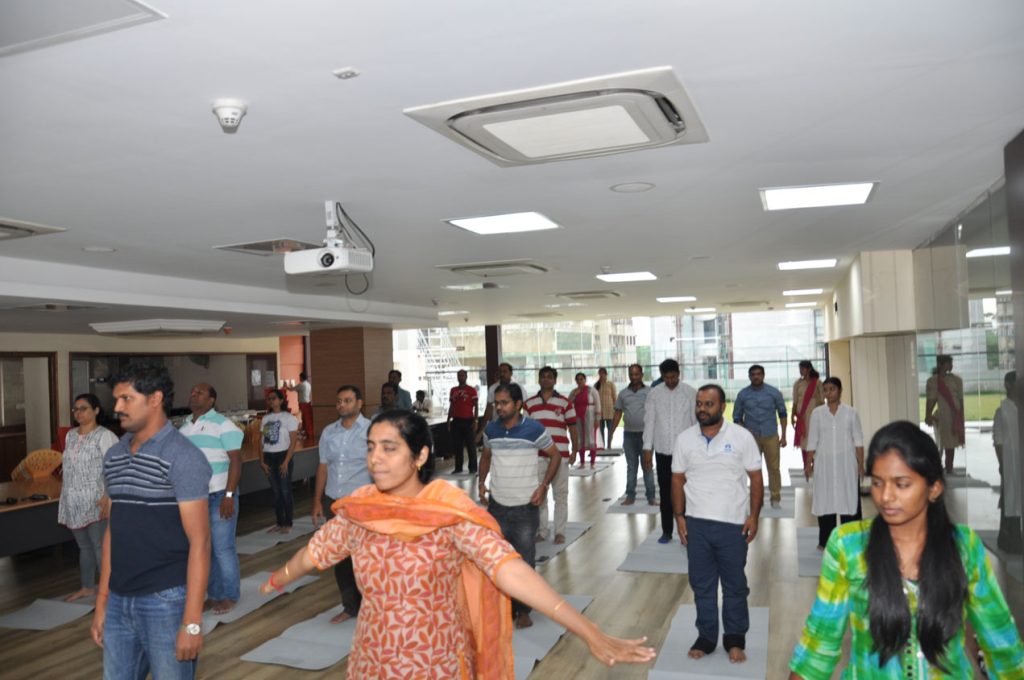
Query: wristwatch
[(192, 628), (229, 494)]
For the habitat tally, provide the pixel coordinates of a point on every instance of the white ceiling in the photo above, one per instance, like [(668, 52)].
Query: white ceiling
[(111, 137)]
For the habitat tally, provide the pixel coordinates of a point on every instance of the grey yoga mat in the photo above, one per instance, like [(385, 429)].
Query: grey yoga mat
[(659, 558), (588, 471), (548, 548), (312, 645), (787, 504), (807, 554), (252, 599), (640, 507), (674, 664), (47, 614), (260, 540)]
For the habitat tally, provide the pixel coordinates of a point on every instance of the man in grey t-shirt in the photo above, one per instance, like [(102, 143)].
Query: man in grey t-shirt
[(630, 403)]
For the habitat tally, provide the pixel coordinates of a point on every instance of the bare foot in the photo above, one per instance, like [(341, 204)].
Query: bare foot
[(539, 538), (696, 654), (208, 605), (628, 501), (223, 606), (79, 594), (273, 530), (653, 503), (737, 655), (285, 530), (523, 620), (559, 538), (342, 617)]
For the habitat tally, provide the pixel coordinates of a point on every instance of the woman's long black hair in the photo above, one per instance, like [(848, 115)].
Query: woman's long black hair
[(415, 432), (942, 581)]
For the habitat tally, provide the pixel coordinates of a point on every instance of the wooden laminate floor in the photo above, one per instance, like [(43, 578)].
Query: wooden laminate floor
[(625, 604)]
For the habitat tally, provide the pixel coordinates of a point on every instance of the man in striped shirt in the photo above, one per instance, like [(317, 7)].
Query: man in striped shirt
[(555, 413), (220, 440), (512, 444), (156, 554)]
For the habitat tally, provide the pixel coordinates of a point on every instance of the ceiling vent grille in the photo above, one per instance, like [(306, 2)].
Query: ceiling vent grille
[(583, 295), (54, 308), (494, 269), (537, 315), (578, 119), (12, 229), (745, 303), (274, 246)]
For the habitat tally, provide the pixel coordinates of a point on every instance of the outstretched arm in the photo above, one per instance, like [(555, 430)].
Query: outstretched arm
[(518, 579)]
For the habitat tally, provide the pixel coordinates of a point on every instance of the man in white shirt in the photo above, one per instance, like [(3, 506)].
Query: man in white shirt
[(711, 464), (668, 411)]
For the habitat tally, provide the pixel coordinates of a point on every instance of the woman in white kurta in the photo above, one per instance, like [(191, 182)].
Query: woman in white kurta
[(835, 450)]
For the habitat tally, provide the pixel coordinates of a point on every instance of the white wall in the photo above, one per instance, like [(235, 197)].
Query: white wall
[(226, 372), (37, 403)]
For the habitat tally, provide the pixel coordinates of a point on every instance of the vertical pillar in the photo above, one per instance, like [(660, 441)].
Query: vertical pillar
[(492, 349), (1014, 159), (883, 377), (360, 356)]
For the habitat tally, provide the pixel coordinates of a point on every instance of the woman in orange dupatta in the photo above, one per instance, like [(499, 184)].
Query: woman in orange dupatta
[(434, 571)]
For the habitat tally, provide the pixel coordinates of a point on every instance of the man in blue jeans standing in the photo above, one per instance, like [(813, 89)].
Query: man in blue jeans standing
[(511, 446), (156, 552), (711, 463), (220, 440), (630, 402)]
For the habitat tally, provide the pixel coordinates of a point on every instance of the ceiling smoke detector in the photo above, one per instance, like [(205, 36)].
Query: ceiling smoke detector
[(229, 112)]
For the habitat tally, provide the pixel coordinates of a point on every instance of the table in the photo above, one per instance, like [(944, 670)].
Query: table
[(30, 525)]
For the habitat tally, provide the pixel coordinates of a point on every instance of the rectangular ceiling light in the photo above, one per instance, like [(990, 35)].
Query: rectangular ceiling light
[(511, 223), (989, 252), (795, 305), (803, 291), (820, 196), (808, 264), (453, 312), (1004, 293), (627, 277), (699, 310), (678, 298)]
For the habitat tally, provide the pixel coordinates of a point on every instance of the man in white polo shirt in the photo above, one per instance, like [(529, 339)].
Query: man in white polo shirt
[(711, 463), (220, 440)]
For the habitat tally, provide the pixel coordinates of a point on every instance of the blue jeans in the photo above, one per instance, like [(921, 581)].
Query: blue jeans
[(281, 485), (519, 525), (225, 576), (140, 634), (718, 551), (633, 448)]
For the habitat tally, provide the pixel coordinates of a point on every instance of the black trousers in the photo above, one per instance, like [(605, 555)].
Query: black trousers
[(345, 577), (463, 440), (663, 461), (827, 524)]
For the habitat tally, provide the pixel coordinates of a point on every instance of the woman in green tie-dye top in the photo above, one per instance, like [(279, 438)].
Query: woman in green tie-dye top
[(907, 581)]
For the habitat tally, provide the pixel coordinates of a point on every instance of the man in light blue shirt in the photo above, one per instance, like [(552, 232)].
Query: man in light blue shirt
[(342, 470), (755, 409)]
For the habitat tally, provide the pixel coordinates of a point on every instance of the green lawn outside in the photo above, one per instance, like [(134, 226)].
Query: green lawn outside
[(976, 406)]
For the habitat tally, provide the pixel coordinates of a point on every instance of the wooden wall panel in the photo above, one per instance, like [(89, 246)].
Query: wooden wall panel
[(338, 356)]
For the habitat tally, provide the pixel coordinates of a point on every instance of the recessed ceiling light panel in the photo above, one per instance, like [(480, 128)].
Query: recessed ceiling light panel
[(699, 310), (678, 298), (576, 119), (989, 252), (803, 291), (797, 305), (626, 277), (808, 264), (511, 223), (818, 196)]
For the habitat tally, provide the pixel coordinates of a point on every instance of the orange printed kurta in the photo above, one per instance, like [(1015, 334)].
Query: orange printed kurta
[(412, 623)]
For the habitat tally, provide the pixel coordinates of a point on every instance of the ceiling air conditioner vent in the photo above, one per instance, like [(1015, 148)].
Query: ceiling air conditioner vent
[(54, 308), (590, 295), (537, 315), (745, 303), (493, 269), (274, 246), (577, 119), (12, 229)]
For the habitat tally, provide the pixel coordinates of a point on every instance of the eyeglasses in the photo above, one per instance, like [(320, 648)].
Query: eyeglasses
[(80, 409)]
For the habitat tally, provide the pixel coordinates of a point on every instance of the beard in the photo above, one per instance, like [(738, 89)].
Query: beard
[(709, 419)]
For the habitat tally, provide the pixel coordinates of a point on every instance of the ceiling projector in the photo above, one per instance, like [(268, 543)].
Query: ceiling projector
[(328, 260), (336, 257)]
